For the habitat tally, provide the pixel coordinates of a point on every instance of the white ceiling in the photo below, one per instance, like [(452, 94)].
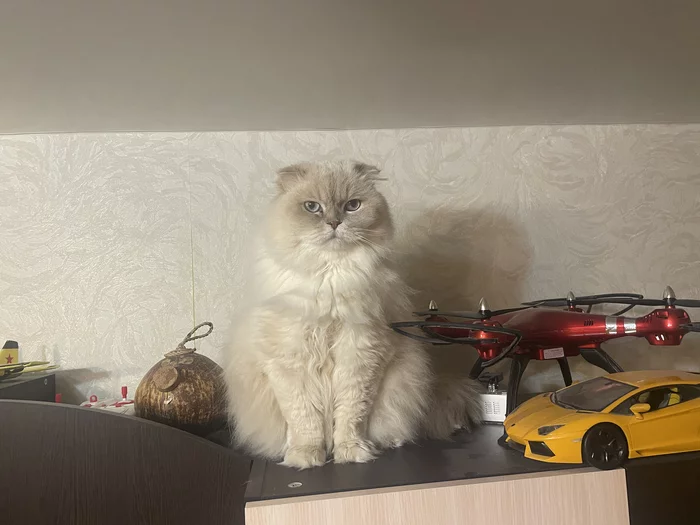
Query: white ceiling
[(131, 65)]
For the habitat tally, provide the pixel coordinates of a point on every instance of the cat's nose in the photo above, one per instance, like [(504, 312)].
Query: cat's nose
[(334, 224)]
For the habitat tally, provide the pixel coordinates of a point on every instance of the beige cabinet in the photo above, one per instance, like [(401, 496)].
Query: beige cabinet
[(569, 497)]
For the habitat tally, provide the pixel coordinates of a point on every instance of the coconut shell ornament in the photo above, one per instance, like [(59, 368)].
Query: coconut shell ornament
[(185, 390)]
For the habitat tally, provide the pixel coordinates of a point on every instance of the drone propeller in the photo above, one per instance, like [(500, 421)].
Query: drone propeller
[(669, 299), (438, 339), (685, 303), (483, 313), (570, 299)]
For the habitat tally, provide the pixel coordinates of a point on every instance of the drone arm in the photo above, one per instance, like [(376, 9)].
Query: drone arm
[(691, 327), (505, 353), (664, 327)]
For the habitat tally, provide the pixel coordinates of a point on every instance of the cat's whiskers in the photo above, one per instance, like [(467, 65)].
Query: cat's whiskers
[(374, 244), (364, 240)]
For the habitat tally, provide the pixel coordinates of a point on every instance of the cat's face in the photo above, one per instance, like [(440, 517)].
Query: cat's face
[(329, 207)]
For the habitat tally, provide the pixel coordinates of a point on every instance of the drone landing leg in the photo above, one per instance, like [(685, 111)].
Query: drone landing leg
[(476, 369), (565, 370), (600, 358), (518, 363)]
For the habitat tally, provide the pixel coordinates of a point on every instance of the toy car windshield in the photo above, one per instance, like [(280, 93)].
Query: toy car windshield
[(593, 395)]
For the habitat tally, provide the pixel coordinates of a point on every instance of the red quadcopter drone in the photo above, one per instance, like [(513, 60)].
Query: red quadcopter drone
[(541, 330)]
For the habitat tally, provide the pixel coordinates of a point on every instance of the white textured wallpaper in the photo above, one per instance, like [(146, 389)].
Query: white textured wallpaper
[(113, 245)]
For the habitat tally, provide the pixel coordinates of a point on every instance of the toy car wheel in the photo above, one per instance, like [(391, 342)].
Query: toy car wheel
[(604, 447)]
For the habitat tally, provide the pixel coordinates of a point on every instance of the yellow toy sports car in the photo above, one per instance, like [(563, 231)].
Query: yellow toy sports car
[(604, 421)]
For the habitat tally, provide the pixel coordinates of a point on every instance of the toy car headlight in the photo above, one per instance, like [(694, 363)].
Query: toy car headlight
[(543, 431)]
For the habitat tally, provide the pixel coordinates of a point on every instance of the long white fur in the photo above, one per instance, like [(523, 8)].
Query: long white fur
[(314, 368)]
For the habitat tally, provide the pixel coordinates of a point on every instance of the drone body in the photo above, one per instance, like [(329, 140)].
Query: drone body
[(541, 331)]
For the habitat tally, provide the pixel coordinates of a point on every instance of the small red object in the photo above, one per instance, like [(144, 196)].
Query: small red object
[(124, 400), (58, 398)]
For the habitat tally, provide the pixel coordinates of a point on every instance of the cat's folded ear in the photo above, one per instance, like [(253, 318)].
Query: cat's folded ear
[(367, 171), (290, 175)]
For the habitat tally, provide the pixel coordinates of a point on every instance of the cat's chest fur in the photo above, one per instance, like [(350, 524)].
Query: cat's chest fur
[(342, 294)]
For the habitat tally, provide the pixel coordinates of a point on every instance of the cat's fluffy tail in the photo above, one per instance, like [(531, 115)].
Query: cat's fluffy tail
[(454, 405), (455, 401)]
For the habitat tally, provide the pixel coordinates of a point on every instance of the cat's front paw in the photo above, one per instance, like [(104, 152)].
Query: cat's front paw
[(304, 457), (356, 451)]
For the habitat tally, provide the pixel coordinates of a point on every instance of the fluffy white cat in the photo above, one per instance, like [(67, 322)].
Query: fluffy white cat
[(314, 368)]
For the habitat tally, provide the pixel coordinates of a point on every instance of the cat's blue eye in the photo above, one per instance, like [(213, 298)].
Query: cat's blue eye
[(312, 207), (353, 205)]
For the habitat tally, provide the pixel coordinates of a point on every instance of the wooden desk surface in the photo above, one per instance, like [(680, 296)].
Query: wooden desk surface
[(471, 455)]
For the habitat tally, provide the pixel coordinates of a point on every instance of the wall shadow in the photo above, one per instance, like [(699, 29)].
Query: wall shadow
[(456, 256)]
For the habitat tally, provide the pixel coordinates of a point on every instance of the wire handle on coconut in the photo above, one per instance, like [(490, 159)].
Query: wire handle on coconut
[(191, 337), (181, 349)]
